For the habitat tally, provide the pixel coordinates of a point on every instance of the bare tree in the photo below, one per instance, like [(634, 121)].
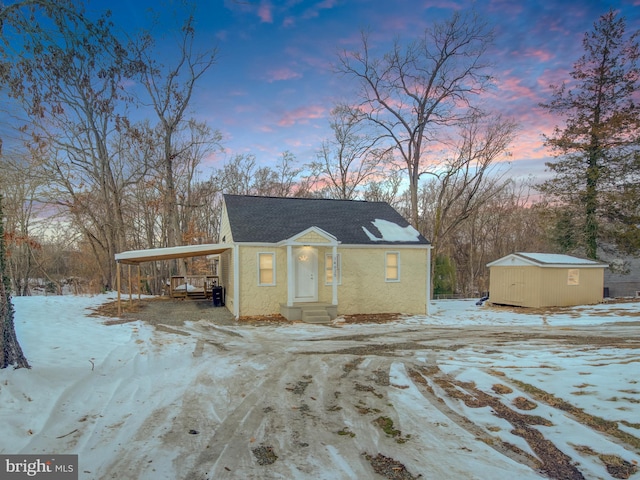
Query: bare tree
[(171, 90), (467, 181), (242, 176), (413, 91), (236, 175), (346, 161), (461, 186), (508, 222), (68, 77), (197, 142), (386, 189), (20, 183)]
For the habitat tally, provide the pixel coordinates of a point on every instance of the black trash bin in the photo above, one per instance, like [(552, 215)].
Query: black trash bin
[(218, 296)]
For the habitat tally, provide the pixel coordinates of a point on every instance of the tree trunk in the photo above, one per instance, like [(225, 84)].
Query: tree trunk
[(10, 353)]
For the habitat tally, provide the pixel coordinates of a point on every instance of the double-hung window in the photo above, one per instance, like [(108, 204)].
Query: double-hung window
[(392, 266), (266, 269)]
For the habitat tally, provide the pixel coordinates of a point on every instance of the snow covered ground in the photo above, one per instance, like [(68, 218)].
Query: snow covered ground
[(305, 401)]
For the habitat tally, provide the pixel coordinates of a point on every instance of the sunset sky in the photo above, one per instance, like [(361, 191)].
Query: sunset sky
[(273, 85)]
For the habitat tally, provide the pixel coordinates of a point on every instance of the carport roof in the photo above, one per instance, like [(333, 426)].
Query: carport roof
[(136, 257)]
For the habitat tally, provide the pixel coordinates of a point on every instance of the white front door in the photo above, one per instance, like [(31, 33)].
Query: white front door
[(306, 274)]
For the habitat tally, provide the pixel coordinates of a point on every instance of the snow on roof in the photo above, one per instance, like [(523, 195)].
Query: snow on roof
[(556, 258), (392, 232), (545, 260)]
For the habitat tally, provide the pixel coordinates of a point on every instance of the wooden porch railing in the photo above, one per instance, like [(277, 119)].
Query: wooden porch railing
[(193, 286)]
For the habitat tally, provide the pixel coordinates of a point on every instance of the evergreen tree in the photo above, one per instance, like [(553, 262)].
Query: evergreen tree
[(597, 149), (10, 353), (444, 275)]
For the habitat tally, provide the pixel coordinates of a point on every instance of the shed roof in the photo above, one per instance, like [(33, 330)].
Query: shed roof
[(554, 260), (274, 219)]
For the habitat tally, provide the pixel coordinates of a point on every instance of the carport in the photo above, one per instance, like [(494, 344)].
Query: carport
[(136, 257)]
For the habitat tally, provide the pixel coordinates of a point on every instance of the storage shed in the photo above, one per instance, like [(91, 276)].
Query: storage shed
[(545, 280)]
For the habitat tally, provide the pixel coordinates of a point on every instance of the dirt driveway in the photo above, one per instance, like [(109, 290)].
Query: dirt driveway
[(382, 403)]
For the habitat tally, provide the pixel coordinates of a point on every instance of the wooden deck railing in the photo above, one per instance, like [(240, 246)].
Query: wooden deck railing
[(197, 286)]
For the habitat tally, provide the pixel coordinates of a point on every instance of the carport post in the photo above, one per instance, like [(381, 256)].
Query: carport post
[(130, 292), (428, 279), (118, 287)]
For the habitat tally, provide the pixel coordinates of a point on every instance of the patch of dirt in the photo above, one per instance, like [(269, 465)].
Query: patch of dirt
[(616, 466), (263, 319), (300, 386), (386, 425), (501, 389), (163, 310), (389, 468), (522, 403), (373, 318), (265, 455)]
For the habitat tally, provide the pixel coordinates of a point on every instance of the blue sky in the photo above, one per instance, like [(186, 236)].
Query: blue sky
[(273, 85)]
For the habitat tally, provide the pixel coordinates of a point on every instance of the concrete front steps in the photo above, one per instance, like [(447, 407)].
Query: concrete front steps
[(315, 316), (316, 312)]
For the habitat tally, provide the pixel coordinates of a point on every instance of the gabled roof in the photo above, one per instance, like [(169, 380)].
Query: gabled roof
[(274, 219), (555, 260)]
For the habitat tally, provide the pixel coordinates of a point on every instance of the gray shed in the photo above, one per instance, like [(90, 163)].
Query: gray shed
[(545, 280)]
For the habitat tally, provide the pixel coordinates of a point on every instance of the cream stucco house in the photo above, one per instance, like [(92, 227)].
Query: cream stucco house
[(313, 259)]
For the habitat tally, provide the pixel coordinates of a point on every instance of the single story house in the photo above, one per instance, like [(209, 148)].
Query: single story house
[(545, 280), (313, 259), (305, 257)]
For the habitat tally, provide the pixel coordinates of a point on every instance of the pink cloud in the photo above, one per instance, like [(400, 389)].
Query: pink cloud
[(302, 115), (513, 88), (554, 77), (282, 74), (314, 11), (265, 12), (541, 55)]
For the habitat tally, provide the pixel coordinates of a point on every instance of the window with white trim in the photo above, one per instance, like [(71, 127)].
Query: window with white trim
[(328, 269), (266, 269), (392, 267)]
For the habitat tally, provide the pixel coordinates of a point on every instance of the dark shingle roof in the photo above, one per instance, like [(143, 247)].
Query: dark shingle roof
[(273, 219)]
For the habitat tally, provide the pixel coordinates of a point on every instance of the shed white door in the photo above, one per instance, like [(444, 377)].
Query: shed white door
[(306, 274), (516, 289)]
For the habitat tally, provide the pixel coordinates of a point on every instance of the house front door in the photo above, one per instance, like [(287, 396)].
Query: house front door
[(306, 274)]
